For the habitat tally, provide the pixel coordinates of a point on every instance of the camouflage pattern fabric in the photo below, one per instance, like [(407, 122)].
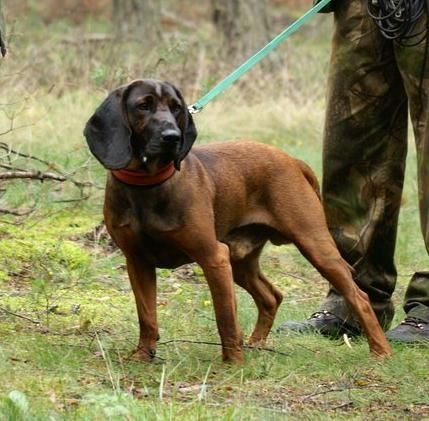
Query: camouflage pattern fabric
[(328, 8), (372, 84)]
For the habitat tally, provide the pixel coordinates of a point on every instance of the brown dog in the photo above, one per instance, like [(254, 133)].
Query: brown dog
[(219, 210)]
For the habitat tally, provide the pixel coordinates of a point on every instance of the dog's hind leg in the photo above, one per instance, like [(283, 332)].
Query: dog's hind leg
[(267, 297), (309, 232), (327, 260)]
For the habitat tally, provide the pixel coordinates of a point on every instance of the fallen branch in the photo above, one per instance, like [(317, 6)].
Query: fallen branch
[(10, 157), (50, 165), (36, 175)]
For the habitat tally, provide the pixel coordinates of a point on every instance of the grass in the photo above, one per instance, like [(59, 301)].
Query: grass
[(70, 324)]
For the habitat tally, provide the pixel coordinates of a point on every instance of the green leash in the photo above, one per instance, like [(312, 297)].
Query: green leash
[(249, 63)]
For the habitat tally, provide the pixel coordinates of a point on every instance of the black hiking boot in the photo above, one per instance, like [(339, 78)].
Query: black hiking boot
[(323, 322), (410, 330)]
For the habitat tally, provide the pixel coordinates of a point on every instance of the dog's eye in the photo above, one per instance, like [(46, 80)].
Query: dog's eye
[(175, 108), (146, 103), (144, 106)]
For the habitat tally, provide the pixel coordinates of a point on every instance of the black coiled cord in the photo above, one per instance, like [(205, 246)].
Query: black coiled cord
[(396, 19)]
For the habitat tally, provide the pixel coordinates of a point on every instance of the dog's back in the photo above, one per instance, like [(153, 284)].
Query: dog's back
[(254, 162)]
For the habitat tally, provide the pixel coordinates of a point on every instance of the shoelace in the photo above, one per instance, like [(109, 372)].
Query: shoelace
[(319, 314), (413, 321)]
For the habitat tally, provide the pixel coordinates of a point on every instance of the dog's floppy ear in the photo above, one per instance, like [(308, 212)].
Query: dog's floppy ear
[(187, 126), (108, 134)]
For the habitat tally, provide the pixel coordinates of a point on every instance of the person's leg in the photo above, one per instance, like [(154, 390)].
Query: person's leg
[(363, 162), (413, 63)]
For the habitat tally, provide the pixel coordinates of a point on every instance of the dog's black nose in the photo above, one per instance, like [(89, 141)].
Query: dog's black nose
[(171, 135)]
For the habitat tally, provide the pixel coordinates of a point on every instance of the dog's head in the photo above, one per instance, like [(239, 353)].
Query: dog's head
[(145, 124)]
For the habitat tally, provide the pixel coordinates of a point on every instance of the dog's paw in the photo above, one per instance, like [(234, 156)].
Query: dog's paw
[(142, 354), (381, 355), (256, 342), (232, 355), (237, 359)]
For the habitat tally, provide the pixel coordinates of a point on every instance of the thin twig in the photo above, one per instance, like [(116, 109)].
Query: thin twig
[(96, 37), (12, 128), (292, 275), (177, 20), (258, 348), (23, 212), (78, 199), (171, 341), (10, 151), (11, 167), (19, 315), (345, 389), (343, 405), (188, 341)]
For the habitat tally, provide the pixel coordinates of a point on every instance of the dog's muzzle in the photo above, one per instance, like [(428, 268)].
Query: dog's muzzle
[(167, 144)]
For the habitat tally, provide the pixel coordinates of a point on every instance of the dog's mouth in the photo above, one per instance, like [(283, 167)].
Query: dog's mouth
[(153, 155)]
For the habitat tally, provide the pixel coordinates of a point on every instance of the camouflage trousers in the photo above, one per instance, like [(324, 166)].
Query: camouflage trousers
[(372, 84)]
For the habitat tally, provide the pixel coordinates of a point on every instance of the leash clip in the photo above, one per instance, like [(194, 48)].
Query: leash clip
[(194, 109)]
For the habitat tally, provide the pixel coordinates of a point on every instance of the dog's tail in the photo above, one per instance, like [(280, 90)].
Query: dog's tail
[(310, 176)]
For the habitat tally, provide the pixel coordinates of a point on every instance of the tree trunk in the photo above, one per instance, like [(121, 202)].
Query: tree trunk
[(2, 31), (243, 25), (138, 19)]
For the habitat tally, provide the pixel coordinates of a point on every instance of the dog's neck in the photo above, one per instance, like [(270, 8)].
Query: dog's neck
[(142, 178)]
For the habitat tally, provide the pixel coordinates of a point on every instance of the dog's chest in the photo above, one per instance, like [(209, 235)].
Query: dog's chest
[(143, 228), (147, 211), (161, 254)]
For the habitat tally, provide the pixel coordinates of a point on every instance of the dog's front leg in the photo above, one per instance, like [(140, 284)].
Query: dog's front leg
[(217, 270), (143, 281)]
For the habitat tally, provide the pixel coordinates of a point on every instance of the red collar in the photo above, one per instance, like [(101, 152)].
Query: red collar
[(141, 178)]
